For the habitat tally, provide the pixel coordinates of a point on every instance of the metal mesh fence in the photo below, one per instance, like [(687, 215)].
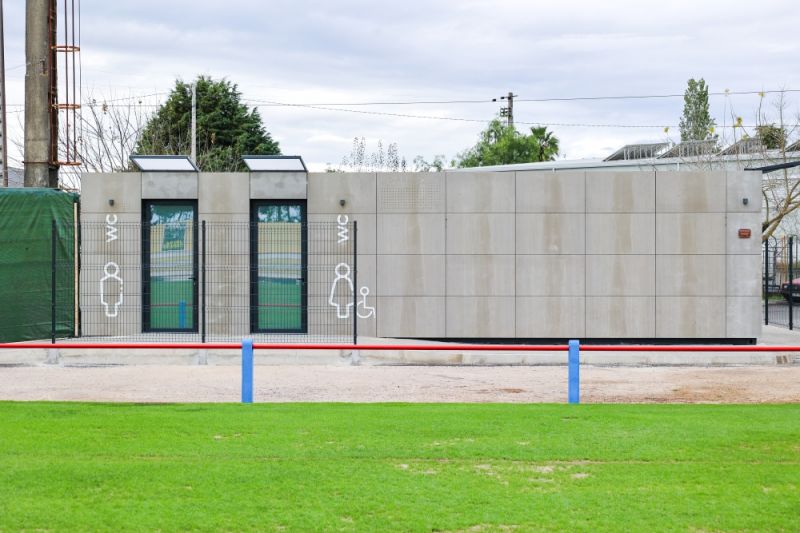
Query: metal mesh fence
[(184, 281), (781, 281)]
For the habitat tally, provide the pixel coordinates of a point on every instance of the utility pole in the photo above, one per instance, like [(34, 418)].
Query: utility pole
[(508, 112), (3, 131), (41, 120), (194, 123)]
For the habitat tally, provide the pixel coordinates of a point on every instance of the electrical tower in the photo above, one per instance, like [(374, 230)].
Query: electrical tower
[(508, 112), (3, 116), (46, 146)]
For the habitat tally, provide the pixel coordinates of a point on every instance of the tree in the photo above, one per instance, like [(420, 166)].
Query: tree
[(378, 161), (502, 144), (423, 165), (771, 136), (696, 123), (226, 128)]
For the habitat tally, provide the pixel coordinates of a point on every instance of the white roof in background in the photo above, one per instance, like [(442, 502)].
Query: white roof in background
[(274, 163), (731, 162), (638, 151), (691, 148), (163, 163)]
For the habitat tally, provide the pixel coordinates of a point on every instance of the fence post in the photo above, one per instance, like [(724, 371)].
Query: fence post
[(791, 283), (574, 386), (766, 282), (247, 370), (203, 287), (53, 236), (182, 314), (355, 282)]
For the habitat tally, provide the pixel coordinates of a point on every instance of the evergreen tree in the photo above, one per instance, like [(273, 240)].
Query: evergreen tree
[(696, 123), (226, 128)]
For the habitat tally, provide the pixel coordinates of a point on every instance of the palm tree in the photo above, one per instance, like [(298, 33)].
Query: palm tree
[(547, 143)]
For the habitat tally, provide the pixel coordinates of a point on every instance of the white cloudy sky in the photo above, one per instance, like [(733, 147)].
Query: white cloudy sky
[(317, 52)]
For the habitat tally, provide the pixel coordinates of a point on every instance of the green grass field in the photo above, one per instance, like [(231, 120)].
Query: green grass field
[(397, 467)]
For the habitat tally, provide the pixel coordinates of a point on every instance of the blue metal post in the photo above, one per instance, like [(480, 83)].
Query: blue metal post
[(247, 370), (574, 393), (182, 315)]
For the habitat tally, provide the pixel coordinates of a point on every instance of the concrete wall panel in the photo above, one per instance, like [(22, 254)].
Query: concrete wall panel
[(551, 275), (620, 192), (690, 192), (743, 317), (690, 317), (405, 192), (120, 257), (326, 189), (620, 233), (169, 185), (399, 316), (411, 275), (278, 185), (476, 317), (223, 193), (125, 188), (551, 233), (617, 317), (620, 275), (557, 192), (741, 185), (480, 275), (551, 317), (411, 234), (690, 233), (480, 192), (690, 275), (480, 233), (367, 229), (744, 275), (750, 245)]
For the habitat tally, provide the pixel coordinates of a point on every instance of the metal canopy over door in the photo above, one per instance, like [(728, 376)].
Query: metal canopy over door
[(169, 266)]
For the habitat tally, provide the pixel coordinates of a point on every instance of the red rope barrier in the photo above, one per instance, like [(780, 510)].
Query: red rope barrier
[(410, 347)]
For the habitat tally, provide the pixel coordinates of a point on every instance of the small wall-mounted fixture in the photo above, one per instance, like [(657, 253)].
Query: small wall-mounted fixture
[(744, 233), (745, 201), (342, 202), (110, 201)]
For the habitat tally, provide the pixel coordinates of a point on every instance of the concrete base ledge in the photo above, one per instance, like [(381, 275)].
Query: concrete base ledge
[(589, 358), (103, 357)]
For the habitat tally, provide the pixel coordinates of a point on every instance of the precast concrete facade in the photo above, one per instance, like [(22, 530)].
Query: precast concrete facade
[(499, 255)]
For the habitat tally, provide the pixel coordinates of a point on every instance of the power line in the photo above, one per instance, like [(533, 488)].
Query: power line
[(652, 96), (482, 121), (552, 99)]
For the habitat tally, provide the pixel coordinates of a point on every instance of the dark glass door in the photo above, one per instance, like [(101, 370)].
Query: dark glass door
[(278, 267), (169, 266)]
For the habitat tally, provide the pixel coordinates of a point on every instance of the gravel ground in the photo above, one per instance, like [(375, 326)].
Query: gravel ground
[(305, 383)]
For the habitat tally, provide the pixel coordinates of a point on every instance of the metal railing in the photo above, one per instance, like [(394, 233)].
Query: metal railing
[(780, 294), (184, 281)]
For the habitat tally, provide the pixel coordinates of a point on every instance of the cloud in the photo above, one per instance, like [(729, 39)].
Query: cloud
[(306, 51)]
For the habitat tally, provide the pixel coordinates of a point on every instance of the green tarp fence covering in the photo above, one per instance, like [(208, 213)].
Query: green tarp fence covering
[(26, 263)]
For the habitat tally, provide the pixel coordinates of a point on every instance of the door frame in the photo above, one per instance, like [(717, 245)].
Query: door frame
[(254, 303), (145, 254)]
